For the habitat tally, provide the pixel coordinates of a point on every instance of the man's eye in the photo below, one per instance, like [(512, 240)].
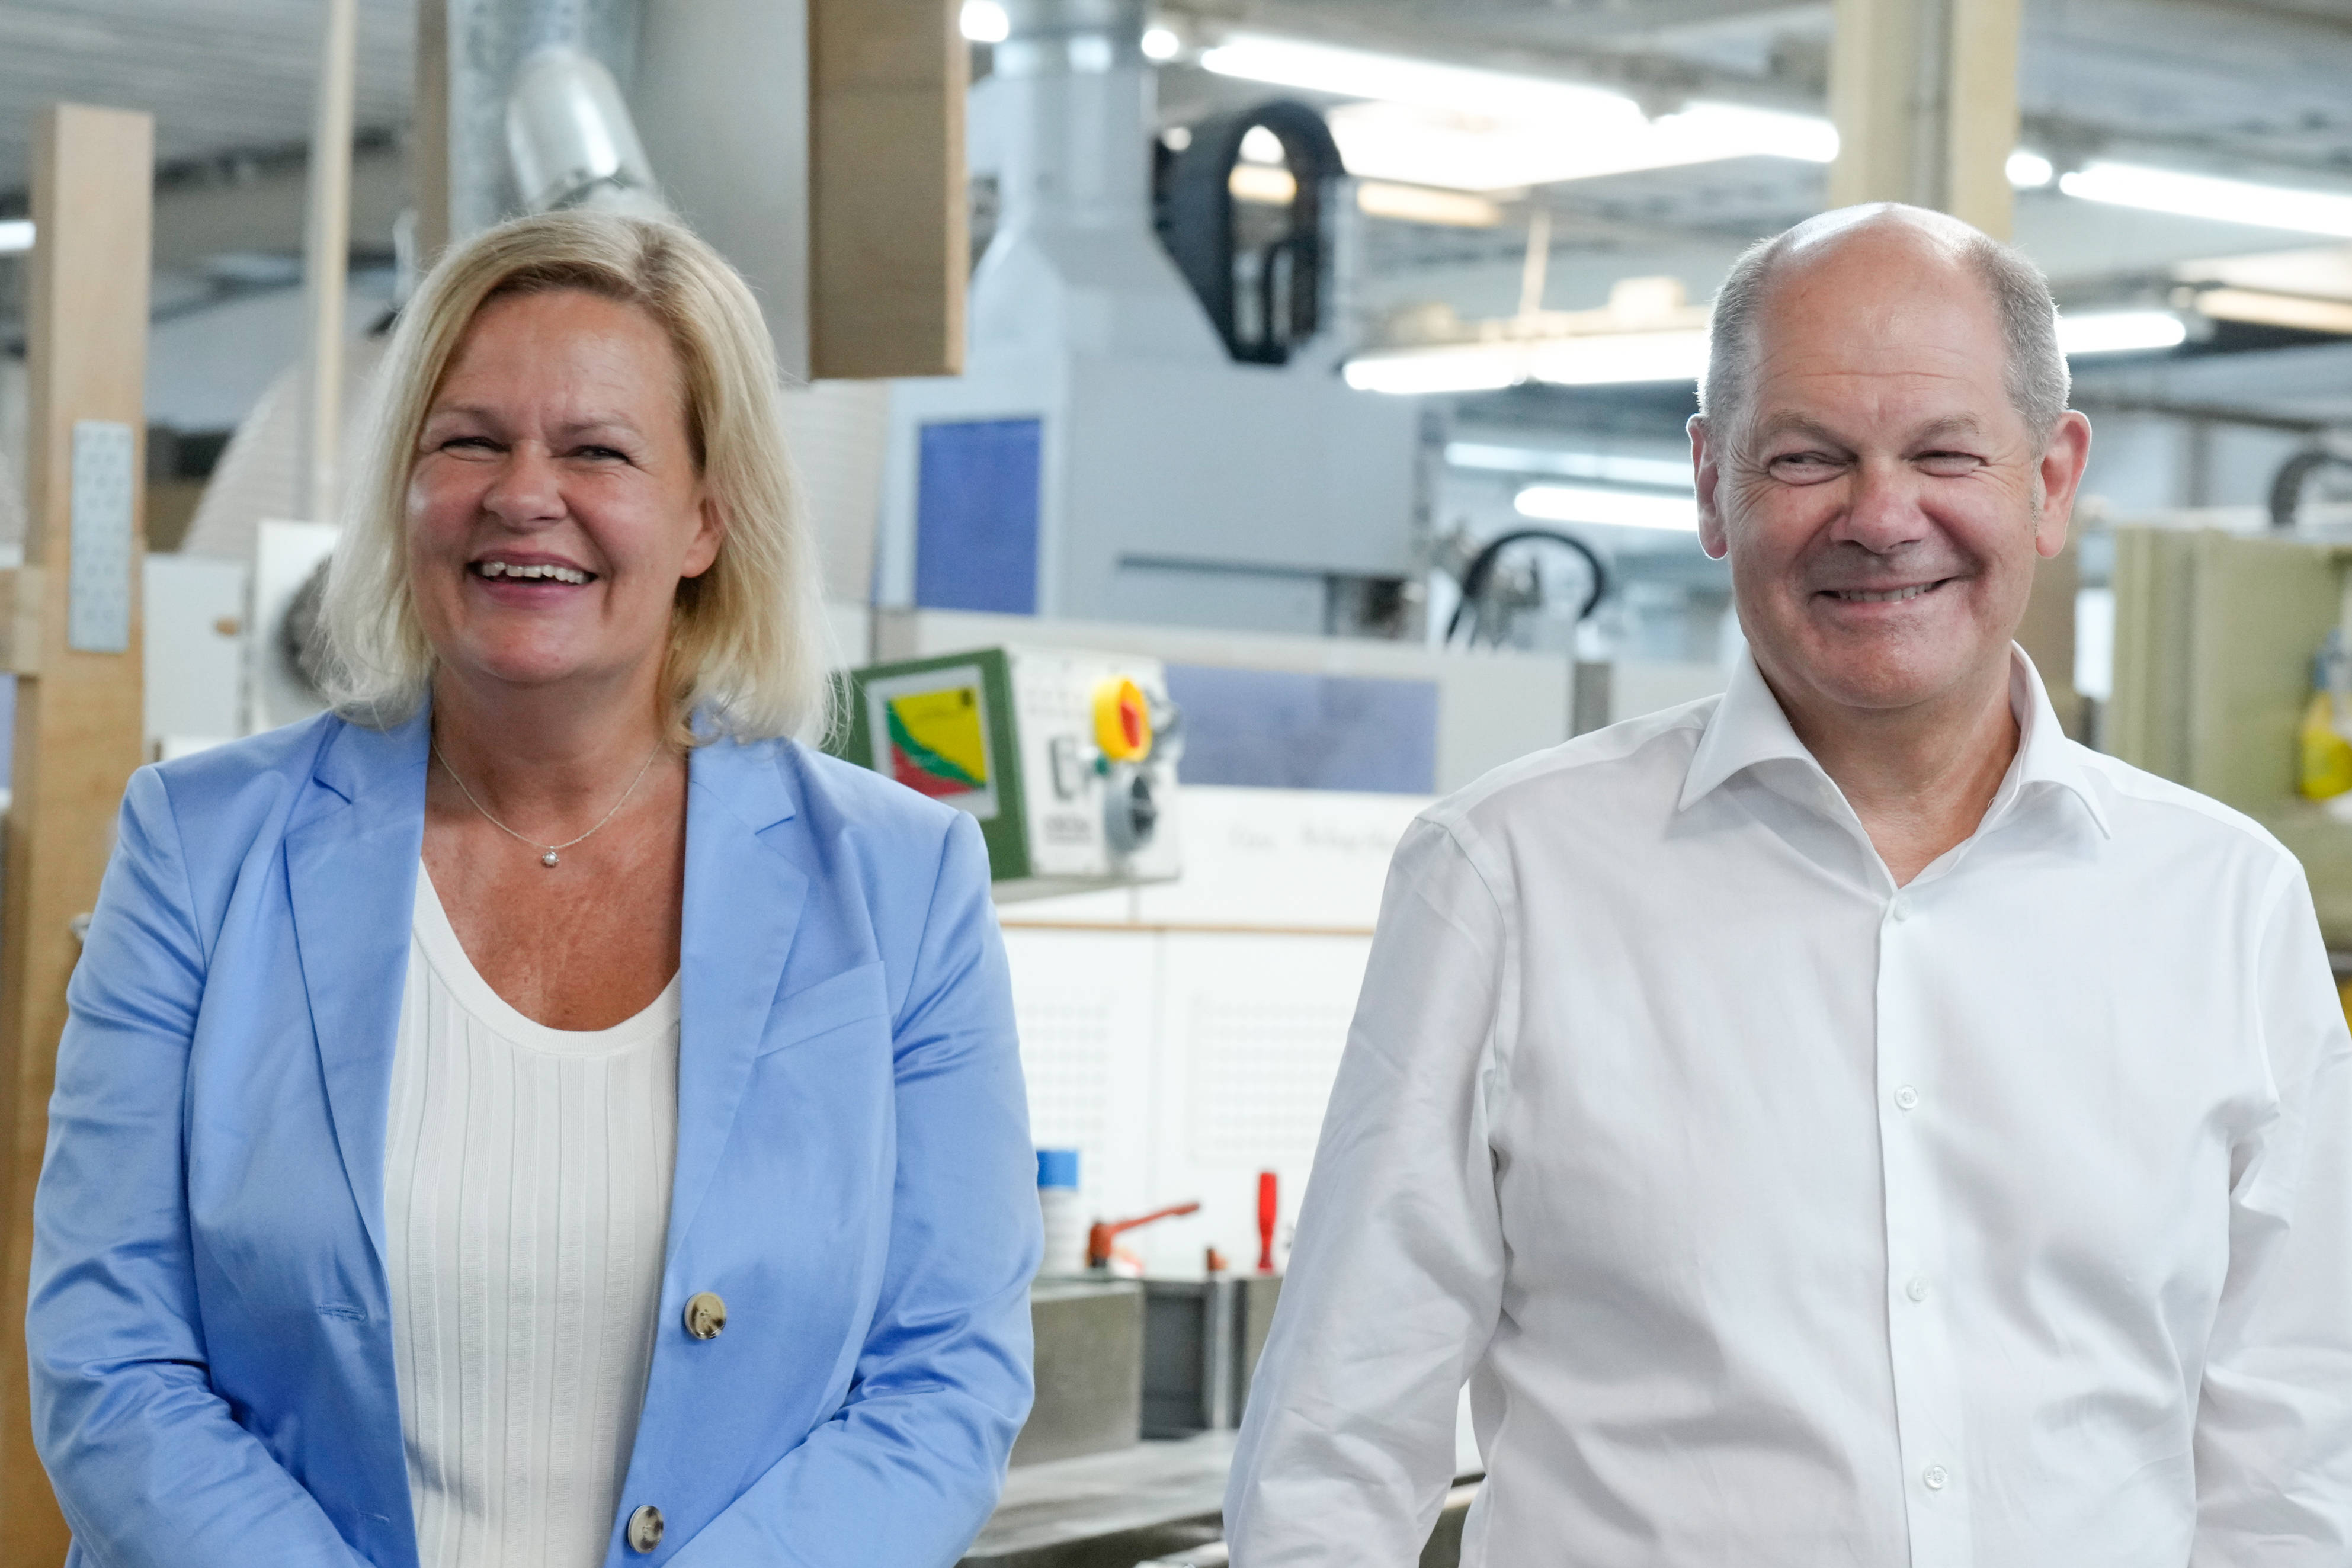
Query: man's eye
[(1949, 465), (1802, 465)]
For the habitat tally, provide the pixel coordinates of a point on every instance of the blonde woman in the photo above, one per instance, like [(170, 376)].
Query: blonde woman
[(540, 1112)]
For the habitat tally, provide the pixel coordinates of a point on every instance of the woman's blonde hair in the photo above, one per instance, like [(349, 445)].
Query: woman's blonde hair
[(748, 640)]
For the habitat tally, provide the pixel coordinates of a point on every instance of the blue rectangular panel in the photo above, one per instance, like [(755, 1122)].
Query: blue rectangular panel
[(976, 516), (1276, 729)]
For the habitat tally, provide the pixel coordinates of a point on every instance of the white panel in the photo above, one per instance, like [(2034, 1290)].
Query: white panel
[(195, 649), (1301, 858), (1084, 1004), (1251, 1031), (98, 579)]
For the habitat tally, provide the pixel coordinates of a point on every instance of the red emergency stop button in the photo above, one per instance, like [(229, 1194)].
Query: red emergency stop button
[(1122, 720)]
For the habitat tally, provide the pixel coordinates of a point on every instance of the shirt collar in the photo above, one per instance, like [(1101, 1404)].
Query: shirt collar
[(1748, 728)]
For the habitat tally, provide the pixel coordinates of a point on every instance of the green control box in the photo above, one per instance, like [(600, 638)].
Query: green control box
[(1066, 759)]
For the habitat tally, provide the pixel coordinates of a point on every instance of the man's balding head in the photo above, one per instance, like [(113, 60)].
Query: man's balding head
[(1888, 243)]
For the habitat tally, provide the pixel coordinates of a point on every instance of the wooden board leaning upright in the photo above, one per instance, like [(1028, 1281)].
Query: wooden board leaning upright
[(79, 723)]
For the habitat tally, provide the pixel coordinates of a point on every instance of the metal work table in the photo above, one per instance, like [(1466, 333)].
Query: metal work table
[(1109, 1510), (1130, 1506)]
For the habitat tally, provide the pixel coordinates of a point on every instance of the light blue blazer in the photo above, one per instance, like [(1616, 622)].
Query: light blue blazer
[(210, 1325)]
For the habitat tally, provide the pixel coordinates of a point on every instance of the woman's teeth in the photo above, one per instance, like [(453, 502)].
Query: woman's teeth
[(1889, 596), (549, 573)]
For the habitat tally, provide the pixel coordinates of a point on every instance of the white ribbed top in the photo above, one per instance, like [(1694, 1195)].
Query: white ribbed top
[(527, 1181)]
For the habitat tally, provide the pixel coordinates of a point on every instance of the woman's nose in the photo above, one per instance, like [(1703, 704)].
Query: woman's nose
[(529, 488)]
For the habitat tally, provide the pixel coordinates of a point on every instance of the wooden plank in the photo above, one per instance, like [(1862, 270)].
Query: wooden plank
[(78, 730), (428, 135), (1980, 114), (889, 247), (1924, 94)]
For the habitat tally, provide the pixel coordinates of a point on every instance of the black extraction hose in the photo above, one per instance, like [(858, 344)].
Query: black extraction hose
[(1482, 566), (2286, 485)]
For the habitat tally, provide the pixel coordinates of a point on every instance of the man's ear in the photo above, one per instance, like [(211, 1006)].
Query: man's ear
[(2059, 477), (1706, 473)]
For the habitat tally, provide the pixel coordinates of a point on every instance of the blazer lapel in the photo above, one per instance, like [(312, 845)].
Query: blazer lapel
[(351, 870), (743, 901)]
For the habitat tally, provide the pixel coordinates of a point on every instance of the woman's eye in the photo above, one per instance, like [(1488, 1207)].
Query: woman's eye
[(603, 453), (467, 443)]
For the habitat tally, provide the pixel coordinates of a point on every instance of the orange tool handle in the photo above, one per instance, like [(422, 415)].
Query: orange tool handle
[(1099, 1238)]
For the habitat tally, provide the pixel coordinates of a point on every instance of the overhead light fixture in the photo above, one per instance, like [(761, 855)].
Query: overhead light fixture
[(984, 22), (1427, 204), (1659, 473), (1162, 43), (1598, 359), (2263, 309), (1271, 187), (1678, 355), (2119, 332), (2030, 171), (15, 236), (1469, 367), (2210, 196), (1608, 509), (1275, 187), (1456, 125)]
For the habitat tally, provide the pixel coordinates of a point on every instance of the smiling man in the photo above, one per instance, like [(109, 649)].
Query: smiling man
[(1841, 1123)]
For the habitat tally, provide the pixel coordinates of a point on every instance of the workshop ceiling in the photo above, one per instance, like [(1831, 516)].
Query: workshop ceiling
[(221, 77)]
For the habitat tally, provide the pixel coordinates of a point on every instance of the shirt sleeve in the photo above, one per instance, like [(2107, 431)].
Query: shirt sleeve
[(149, 1464), (2274, 1445), (908, 1471), (1395, 1284)]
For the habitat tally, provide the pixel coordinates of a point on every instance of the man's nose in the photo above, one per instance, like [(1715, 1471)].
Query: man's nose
[(1883, 513), (529, 488)]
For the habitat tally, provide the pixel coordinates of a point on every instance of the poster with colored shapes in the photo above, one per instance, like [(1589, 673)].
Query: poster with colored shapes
[(932, 731)]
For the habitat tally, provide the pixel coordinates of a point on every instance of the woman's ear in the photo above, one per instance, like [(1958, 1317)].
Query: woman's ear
[(709, 532)]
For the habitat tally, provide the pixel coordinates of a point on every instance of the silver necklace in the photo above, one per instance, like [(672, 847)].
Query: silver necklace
[(547, 856)]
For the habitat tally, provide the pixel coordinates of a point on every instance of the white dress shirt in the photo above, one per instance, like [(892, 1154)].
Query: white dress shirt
[(1781, 1219)]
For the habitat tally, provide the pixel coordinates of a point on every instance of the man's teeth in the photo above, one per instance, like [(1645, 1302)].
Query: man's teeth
[(1865, 596), (510, 569)]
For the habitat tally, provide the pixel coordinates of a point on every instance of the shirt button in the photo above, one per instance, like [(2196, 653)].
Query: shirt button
[(1900, 909), (706, 1314), (1918, 1289), (1906, 1098), (644, 1532), (1935, 1476)]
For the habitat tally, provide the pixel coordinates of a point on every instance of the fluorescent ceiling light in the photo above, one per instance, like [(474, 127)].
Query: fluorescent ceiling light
[(1660, 472), (1275, 187), (2119, 331), (1472, 367), (984, 22), (1162, 43), (1594, 359), (2209, 196), (1256, 183), (2266, 309), (1611, 508), (15, 236), (1425, 205), (1454, 126), (2030, 171), (1677, 355)]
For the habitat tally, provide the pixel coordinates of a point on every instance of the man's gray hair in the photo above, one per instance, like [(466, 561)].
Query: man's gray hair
[(2037, 375)]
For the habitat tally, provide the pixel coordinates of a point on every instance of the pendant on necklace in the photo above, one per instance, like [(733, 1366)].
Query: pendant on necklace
[(548, 859)]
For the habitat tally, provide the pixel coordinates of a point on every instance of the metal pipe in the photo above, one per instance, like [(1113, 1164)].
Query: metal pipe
[(326, 258)]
